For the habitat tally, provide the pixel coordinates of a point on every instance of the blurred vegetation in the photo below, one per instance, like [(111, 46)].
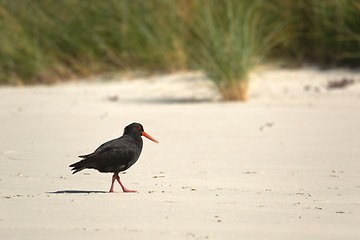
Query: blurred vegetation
[(46, 40), (230, 39), (325, 32)]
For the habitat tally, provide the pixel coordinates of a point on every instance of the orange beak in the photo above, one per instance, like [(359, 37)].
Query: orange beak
[(149, 137)]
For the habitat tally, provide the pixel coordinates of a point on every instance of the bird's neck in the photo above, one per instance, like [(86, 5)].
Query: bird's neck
[(137, 138)]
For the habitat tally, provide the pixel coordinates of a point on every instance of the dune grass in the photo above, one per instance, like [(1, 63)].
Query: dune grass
[(326, 33), (232, 39), (43, 41), (335, 32)]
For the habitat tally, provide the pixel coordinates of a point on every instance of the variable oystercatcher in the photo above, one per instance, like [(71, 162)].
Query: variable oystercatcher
[(116, 155)]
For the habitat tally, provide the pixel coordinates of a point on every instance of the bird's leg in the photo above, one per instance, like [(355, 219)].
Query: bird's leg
[(112, 183), (122, 186)]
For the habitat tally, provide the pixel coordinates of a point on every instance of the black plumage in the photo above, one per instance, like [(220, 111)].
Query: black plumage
[(116, 155)]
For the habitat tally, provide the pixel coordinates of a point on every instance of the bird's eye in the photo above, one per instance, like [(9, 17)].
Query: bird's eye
[(139, 128)]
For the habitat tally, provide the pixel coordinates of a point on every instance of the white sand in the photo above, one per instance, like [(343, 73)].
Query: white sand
[(285, 165)]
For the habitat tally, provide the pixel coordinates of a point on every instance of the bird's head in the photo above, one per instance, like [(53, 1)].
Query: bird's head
[(138, 129)]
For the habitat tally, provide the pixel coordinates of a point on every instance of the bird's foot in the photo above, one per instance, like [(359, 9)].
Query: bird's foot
[(128, 191), (124, 189)]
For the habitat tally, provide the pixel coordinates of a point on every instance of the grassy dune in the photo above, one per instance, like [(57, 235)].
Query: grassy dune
[(46, 40)]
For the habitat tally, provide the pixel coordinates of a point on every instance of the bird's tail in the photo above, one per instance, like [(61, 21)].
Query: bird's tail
[(81, 165), (77, 167)]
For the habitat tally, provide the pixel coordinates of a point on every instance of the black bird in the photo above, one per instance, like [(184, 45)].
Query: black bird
[(116, 155)]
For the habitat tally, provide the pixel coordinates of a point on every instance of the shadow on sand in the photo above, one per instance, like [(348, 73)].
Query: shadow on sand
[(76, 192), (170, 100)]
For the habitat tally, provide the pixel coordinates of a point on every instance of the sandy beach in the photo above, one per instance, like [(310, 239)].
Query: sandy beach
[(284, 165)]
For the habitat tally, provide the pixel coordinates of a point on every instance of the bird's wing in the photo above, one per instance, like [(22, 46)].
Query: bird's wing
[(118, 155), (111, 154)]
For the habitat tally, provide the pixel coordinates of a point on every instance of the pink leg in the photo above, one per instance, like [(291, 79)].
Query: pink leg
[(112, 183), (122, 186)]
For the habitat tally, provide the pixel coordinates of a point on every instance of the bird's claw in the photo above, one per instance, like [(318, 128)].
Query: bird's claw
[(128, 191)]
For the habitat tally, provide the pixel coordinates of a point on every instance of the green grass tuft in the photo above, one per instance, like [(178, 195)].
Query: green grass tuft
[(231, 40)]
